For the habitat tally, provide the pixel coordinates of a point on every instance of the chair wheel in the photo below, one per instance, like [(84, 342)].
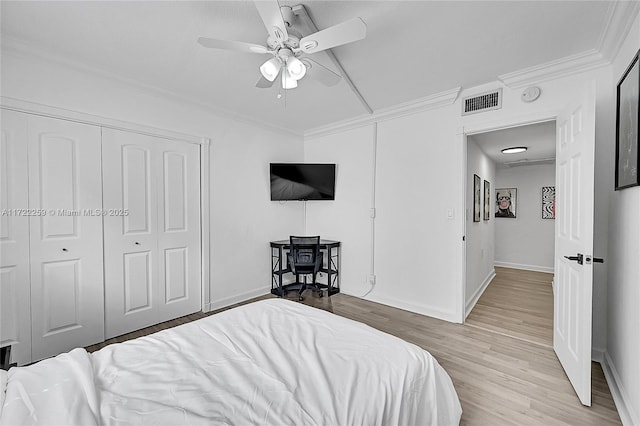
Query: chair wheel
[(300, 298), (321, 293)]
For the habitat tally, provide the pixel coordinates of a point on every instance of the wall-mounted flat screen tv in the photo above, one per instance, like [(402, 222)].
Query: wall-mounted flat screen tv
[(302, 181)]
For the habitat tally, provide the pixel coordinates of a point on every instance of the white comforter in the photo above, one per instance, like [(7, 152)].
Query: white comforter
[(272, 362)]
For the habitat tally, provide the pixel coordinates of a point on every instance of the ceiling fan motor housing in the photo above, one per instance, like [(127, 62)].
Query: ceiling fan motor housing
[(293, 42), (287, 15)]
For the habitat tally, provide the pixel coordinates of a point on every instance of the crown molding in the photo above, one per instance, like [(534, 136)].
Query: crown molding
[(13, 46), (20, 105), (569, 65), (619, 20), (437, 100)]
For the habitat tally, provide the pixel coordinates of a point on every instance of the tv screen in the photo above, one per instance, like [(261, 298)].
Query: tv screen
[(298, 181)]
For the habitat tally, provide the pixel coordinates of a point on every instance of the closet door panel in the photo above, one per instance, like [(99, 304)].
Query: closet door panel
[(131, 251), (179, 235), (65, 243), (15, 289), (58, 192), (61, 286), (152, 254), (136, 188), (138, 282)]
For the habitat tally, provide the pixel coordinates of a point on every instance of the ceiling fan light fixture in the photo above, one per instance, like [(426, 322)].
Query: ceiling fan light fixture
[(514, 150), (270, 69), (288, 82), (296, 68)]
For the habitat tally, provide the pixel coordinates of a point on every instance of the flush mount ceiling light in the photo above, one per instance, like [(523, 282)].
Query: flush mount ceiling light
[(514, 150)]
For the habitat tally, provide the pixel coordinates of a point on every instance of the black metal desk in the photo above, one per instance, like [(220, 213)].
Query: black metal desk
[(280, 266)]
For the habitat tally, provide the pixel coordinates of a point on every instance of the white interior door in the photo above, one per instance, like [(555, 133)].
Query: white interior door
[(15, 289), (66, 243), (130, 239), (575, 145), (179, 229), (152, 251)]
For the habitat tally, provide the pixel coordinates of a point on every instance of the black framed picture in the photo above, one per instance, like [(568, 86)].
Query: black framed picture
[(548, 202), (627, 122), (487, 200), (476, 198)]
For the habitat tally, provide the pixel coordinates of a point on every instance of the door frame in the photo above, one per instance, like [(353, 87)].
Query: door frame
[(461, 137), (205, 144)]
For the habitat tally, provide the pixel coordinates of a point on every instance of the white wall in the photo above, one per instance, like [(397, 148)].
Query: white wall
[(481, 249), (346, 219), (420, 175), (528, 241), (413, 191), (243, 219), (622, 355), (415, 180)]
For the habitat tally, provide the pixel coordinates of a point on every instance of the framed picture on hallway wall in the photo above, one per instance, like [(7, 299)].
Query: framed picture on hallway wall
[(548, 202), (627, 107), (506, 202), (487, 200), (476, 198)]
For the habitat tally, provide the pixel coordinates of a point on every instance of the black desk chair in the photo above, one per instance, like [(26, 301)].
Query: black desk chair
[(305, 258)]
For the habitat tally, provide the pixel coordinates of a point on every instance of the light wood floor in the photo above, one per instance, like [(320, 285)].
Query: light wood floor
[(519, 304), (500, 380)]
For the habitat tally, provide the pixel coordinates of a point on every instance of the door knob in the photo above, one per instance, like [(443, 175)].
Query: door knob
[(579, 258)]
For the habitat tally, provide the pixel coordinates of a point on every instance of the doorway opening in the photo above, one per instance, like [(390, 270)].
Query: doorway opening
[(510, 232)]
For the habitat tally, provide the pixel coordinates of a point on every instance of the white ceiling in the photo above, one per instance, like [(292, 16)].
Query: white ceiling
[(538, 138), (413, 49)]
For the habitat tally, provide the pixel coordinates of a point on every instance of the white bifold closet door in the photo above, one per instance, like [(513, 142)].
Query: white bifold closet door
[(15, 289), (67, 303), (152, 230)]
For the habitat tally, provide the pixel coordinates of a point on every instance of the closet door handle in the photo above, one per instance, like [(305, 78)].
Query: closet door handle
[(64, 249), (137, 243)]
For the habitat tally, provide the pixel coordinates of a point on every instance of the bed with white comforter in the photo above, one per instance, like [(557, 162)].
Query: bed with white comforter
[(273, 362)]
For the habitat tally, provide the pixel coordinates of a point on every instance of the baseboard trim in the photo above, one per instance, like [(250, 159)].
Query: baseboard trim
[(620, 396), (534, 268), (478, 293), (597, 355), (227, 301), (411, 307)]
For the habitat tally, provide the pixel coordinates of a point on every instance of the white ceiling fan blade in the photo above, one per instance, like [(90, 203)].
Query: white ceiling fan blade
[(269, 11), (346, 32), (321, 73), (238, 46), (263, 83)]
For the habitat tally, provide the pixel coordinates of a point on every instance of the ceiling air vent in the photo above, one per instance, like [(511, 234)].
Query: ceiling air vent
[(483, 102)]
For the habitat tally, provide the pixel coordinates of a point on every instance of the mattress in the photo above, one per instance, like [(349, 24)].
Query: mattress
[(271, 362)]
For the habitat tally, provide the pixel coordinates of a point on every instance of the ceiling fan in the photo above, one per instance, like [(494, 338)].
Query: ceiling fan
[(288, 47)]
